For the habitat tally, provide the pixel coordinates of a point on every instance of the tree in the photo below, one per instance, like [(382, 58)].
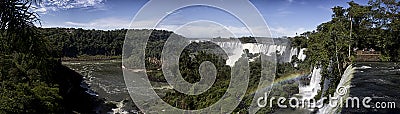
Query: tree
[(375, 26), (26, 78)]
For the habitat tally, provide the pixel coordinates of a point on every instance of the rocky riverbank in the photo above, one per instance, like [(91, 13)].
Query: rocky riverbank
[(77, 97)]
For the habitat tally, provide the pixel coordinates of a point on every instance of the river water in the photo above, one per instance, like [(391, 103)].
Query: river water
[(378, 80), (106, 79)]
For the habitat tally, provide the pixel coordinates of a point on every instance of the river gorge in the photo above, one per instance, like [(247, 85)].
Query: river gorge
[(374, 79)]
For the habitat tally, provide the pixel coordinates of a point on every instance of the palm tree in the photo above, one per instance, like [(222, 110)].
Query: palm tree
[(16, 23)]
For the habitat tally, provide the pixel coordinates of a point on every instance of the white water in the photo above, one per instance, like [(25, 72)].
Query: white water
[(345, 81), (301, 55), (119, 109), (311, 90), (365, 67), (235, 48), (293, 51)]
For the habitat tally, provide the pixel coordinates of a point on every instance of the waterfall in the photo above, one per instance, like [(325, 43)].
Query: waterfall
[(311, 90), (345, 81), (234, 49), (301, 55), (293, 52)]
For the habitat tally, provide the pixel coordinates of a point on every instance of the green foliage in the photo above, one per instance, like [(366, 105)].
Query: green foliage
[(27, 84), (27, 80), (189, 64), (248, 39), (284, 68), (299, 41), (27, 58), (75, 42), (384, 58), (25, 98), (375, 25)]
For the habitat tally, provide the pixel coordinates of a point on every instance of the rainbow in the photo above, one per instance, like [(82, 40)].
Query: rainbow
[(287, 78), (280, 80)]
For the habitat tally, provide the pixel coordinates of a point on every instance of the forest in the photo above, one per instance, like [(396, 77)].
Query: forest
[(33, 80), (374, 26), (73, 42)]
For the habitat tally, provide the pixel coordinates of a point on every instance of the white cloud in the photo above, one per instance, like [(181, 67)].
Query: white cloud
[(54, 5), (213, 30), (195, 29), (326, 8), (40, 10), (202, 29), (86, 3), (208, 29), (281, 31), (103, 23)]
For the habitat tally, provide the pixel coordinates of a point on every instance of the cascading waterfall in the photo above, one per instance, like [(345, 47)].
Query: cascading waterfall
[(345, 82), (301, 55), (311, 90), (234, 49), (293, 52)]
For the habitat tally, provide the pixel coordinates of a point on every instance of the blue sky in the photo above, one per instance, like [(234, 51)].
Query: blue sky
[(284, 17)]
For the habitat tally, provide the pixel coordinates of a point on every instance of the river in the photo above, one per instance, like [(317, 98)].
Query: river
[(105, 78), (378, 80)]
